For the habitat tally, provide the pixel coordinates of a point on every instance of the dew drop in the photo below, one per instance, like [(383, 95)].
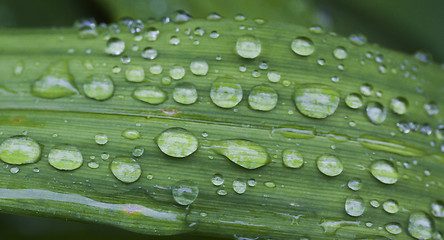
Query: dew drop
[(221, 192), (93, 165), (217, 179), (138, 151), (177, 72), (421, 226), (437, 208), (18, 70), (251, 182), (125, 169), (302, 46), (156, 69), (358, 39), (150, 94), (152, 34), (374, 203), (135, 74), (366, 89), (316, 100), (214, 17), (393, 228), (244, 153), (329, 165), (226, 92), (354, 184), (149, 53), (390, 206), (199, 67), (354, 100), (20, 150), (114, 46), (131, 134), (354, 206), (65, 157), (263, 98), (248, 46), (177, 142), (385, 171), (101, 138), (181, 16), (239, 186), (56, 82), (273, 76), (431, 108), (174, 40), (399, 105), (185, 192), (14, 170), (376, 112), (292, 158), (99, 87), (270, 184), (340, 53)]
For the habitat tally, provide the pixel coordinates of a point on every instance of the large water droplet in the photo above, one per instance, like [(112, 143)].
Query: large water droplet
[(376, 112), (393, 228), (384, 171), (292, 158), (437, 208), (399, 105), (114, 46), (65, 157), (135, 74), (316, 100), (329, 165), (185, 93), (177, 142), (125, 169), (217, 179), (390, 206), (150, 94), (226, 92), (20, 150), (244, 153), (185, 192), (340, 53), (99, 87), (199, 67), (354, 100), (421, 226), (263, 98), (56, 82), (239, 186), (302, 46), (248, 46), (354, 206)]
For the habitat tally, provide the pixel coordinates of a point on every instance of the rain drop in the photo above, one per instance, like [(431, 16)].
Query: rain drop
[(65, 157), (248, 46), (185, 93), (20, 150), (244, 153), (185, 192), (125, 169), (263, 98), (316, 100), (150, 94), (385, 171), (177, 142), (99, 87), (376, 112), (329, 165), (302, 46), (226, 92), (292, 158), (114, 46)]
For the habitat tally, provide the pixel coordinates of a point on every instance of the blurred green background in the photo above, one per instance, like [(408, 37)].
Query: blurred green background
[(403, 25)]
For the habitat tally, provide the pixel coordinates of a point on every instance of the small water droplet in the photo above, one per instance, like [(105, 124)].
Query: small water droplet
[(376, 112), (20, 150), (354, 100), (354, 184), (292, 158), (65, 157), (366, 89), (239, 186), (174, 40), (214, 34), (181, 16), (374, 203), (217, 179), (244, 153), (18, 70), (221, 192), (340, 53), (185, 93), (316, 100), (101, 138), (270, 184), (125, 169), (149, 53), (114, 46), (93, 165), (214, 17), (437, 208), (248, 46), (251, 182), (302, 46), (393, 228), (56, 82), (156, 69), (199, 67), (431, 108), (150, 94), (185, 192), (390, 206), (354, 206), (263, 98), (385, 171), (14, 170), (152, 34), (135, 74), (177, 142), (226, 92), (421, 225), (99, 87), (240, 17), (358, 39), (138, 151), (316, 29), (131, 134), (399, 105), (177, 72), (329, 165)]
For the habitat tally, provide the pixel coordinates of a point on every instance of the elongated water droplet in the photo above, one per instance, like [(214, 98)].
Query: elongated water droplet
[(354, 206), (101, 139), (239, 186), (295, 131), (185, 93), (131, 134), (199, 67), (302, 46), (56, 82), (248, 46), (263, 98), (20, 150), (376, 112), (114, 46), (150, 94), (217, 179), (329, 165), (340, 53), (65, 157), (185, 192), (149, 53), (393, 228), (354, 100), (244, 153), (177, 142), (437, 208), (358, 39), (125, 169), (354, 184), (99, 87), (316, 100), (421, 226), (270, 184), (292, 158), (135, 74), (399, 105), (390, 206), (385, 171), (226, 92)]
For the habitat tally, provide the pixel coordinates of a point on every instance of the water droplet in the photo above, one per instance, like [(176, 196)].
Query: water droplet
[(20, 150), (150, 94), (329, 165), (385, 171), (239, 186), (376, 112), (152, 34), (248, 46), (199, 31), (149, 53), (114, 46), (292, 158), (354, 206), (263, 98), (18, 70), (116, 69), (101, 138), (185, 93), (421, 226), (244, 153), (65, 157), (125, 169), (181, 16), (104, 156), (354, 100), (138, 151), (177, 142), (93, 165), (226, 92), (374, 203), (431, 108), (217, 179), (273, 76), (270, 184), (390, 206), (177, 72), (185, 192), (316, 100), (14, 170), (99, 87), (174, 40), (214, 34), (135, 27), (295, 131), (366, 89), (214, 17), (221, 192), (199, 67), (56, 82), (316, 29), (156, 69), (135, 74), (302, 46), (240, 17), (399, 105), (423, 56), (358, 39), (251, 182), (131, 134), (87, 32), (354, 184), (437, 208), (393, 228), (340, 53)]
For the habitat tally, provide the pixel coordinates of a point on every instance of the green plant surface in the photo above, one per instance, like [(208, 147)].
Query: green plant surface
[(311, 116)]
